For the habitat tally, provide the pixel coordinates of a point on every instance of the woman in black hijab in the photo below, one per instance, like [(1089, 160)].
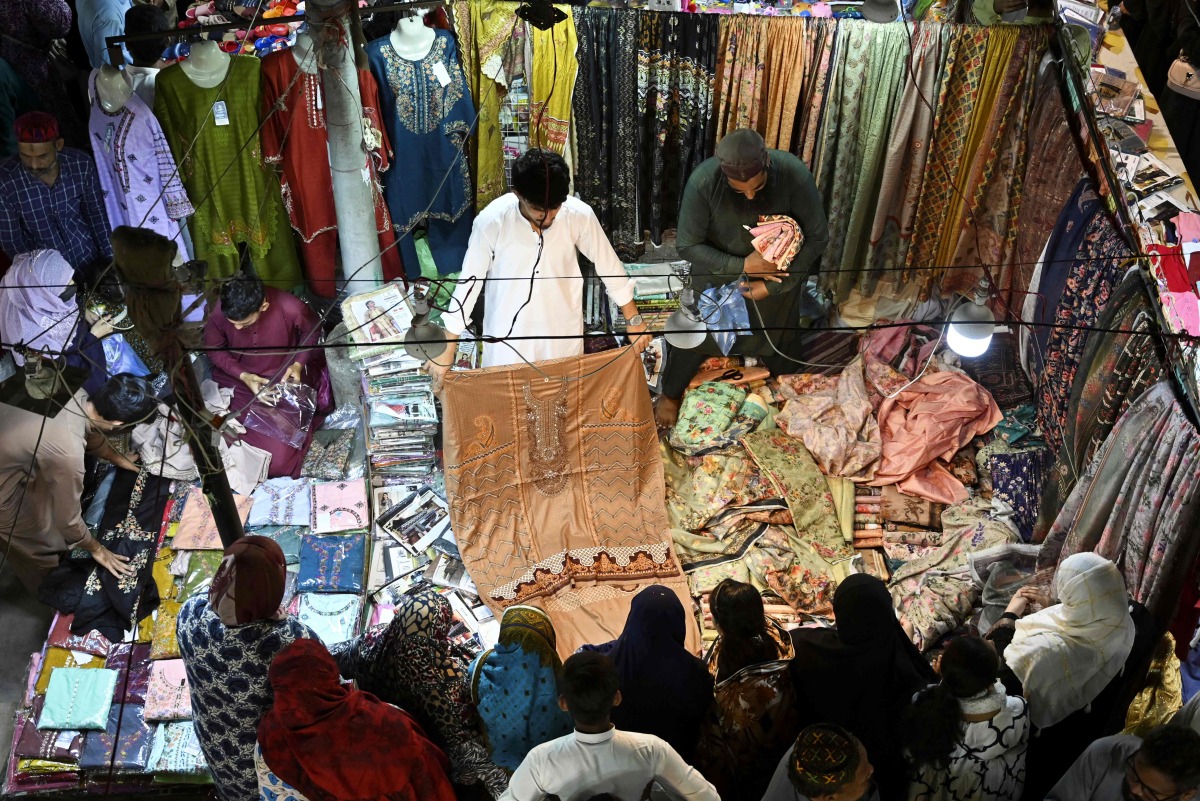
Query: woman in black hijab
[(665, 690), (862, 676)]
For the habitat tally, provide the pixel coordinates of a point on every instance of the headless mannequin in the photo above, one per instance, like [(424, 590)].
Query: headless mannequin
[(112, 89), (207, 65), (306, 59), (411, 40)]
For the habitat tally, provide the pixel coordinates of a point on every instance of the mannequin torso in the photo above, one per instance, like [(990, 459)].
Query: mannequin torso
[(207, 65), (411, 39), (112, 90)]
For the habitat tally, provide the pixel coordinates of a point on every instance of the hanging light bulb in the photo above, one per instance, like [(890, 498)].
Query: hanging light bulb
[(685, 328), (970, 331), (424, 340)]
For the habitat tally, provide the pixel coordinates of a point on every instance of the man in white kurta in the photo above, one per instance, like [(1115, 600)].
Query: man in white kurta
[(522, 258)]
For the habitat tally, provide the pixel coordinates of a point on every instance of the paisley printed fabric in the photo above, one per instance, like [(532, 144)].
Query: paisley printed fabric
[(411, 663), (227, 675)]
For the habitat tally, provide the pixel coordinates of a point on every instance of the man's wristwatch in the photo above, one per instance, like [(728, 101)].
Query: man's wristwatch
[(635, 320)]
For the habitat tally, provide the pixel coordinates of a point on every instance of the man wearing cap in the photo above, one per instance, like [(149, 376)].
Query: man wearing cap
[(827, 763), (743, 181), (50, 197)]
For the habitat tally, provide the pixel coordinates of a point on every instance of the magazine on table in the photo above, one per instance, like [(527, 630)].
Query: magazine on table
[(1114, 95), (1145, 173)]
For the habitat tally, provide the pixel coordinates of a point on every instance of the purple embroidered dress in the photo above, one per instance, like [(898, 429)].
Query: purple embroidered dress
[(137, 170)]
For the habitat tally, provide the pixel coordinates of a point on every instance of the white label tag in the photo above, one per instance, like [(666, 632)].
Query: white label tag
[(220, 113), (63, 741), (439, 72), (324, 521)]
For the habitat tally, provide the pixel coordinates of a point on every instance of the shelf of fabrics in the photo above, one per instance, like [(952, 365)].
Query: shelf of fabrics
[(413, 546), (273, 32), (794, 483)]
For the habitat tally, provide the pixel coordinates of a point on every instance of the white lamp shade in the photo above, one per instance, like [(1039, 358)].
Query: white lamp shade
[(685, 331), (970, 331)]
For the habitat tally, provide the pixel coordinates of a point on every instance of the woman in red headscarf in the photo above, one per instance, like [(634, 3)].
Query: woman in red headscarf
[(386, 754)]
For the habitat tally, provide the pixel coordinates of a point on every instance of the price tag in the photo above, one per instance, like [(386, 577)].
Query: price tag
[(439, 72), (220, 113)]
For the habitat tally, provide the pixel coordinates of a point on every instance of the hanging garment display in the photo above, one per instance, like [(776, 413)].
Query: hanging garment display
[(214, 136), (427, 110), (98, 599), (137, 171), (296, 138), (605, 112), (552, 83), (486, 31), (556, 486), (332, 564)]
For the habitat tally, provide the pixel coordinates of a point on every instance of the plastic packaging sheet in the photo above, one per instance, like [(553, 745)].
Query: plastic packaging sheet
[(283, 412)]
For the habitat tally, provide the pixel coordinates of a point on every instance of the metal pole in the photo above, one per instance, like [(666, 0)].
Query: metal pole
[(154, 296), (353, 193)]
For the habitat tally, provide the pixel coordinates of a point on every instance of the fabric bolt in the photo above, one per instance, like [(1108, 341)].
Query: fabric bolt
[(556, 490), (793, 473), (501, 256), (1090, 271), (68, 216), (552, 83), (865, 86), (988, 759), (391, 757), (1017, 479), (676, 56), (198, 529), (332, 564), (905, 160), (295, 137), (514, 687), (665, 690), (485, 34), (410, 662), (837, 426), (281, 502), (1085, 638), (985, 231), (78, 698), (168, 696), (924, 426), (237, 202), (98, 599), (861, 674), (227, 677), (339, 506), (1136, 500), (1114, 371), (124, 745), (137, 171), (429, 123), (132, 663), (333, 617), (606, 123)]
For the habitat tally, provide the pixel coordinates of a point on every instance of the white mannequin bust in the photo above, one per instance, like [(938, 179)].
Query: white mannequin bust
[(303, 52), (411, 40), (206, 65), (112, 89)]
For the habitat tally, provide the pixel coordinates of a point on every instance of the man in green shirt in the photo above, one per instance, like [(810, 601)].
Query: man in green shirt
[(731, 190)]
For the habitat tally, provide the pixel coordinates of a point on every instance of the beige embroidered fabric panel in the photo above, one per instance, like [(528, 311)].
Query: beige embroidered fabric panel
[(556, 490)]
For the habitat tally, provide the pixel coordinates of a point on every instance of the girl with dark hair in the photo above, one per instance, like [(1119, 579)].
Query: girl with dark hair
[(748, 637), (966, 737), (754, 717)]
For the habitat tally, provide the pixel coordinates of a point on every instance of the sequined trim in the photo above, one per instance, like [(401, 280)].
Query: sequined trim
[(547, 455), (599, 563)]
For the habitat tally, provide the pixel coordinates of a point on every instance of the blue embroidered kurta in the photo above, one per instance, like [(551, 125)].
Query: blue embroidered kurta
[(428, 124), (227, 673)]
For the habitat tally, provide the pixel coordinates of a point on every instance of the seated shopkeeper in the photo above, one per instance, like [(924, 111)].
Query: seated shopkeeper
[(257, 337), (731, 190)]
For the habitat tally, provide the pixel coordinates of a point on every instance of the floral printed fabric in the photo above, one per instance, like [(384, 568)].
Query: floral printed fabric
[(707, 411), (794, 474), (197, 527), (836, 425), (1135, 503)]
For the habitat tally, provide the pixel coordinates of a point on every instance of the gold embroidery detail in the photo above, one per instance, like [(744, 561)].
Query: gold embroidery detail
[(547, 454)]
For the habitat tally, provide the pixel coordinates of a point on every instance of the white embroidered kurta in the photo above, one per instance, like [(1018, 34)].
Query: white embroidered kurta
[(504, 249)]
